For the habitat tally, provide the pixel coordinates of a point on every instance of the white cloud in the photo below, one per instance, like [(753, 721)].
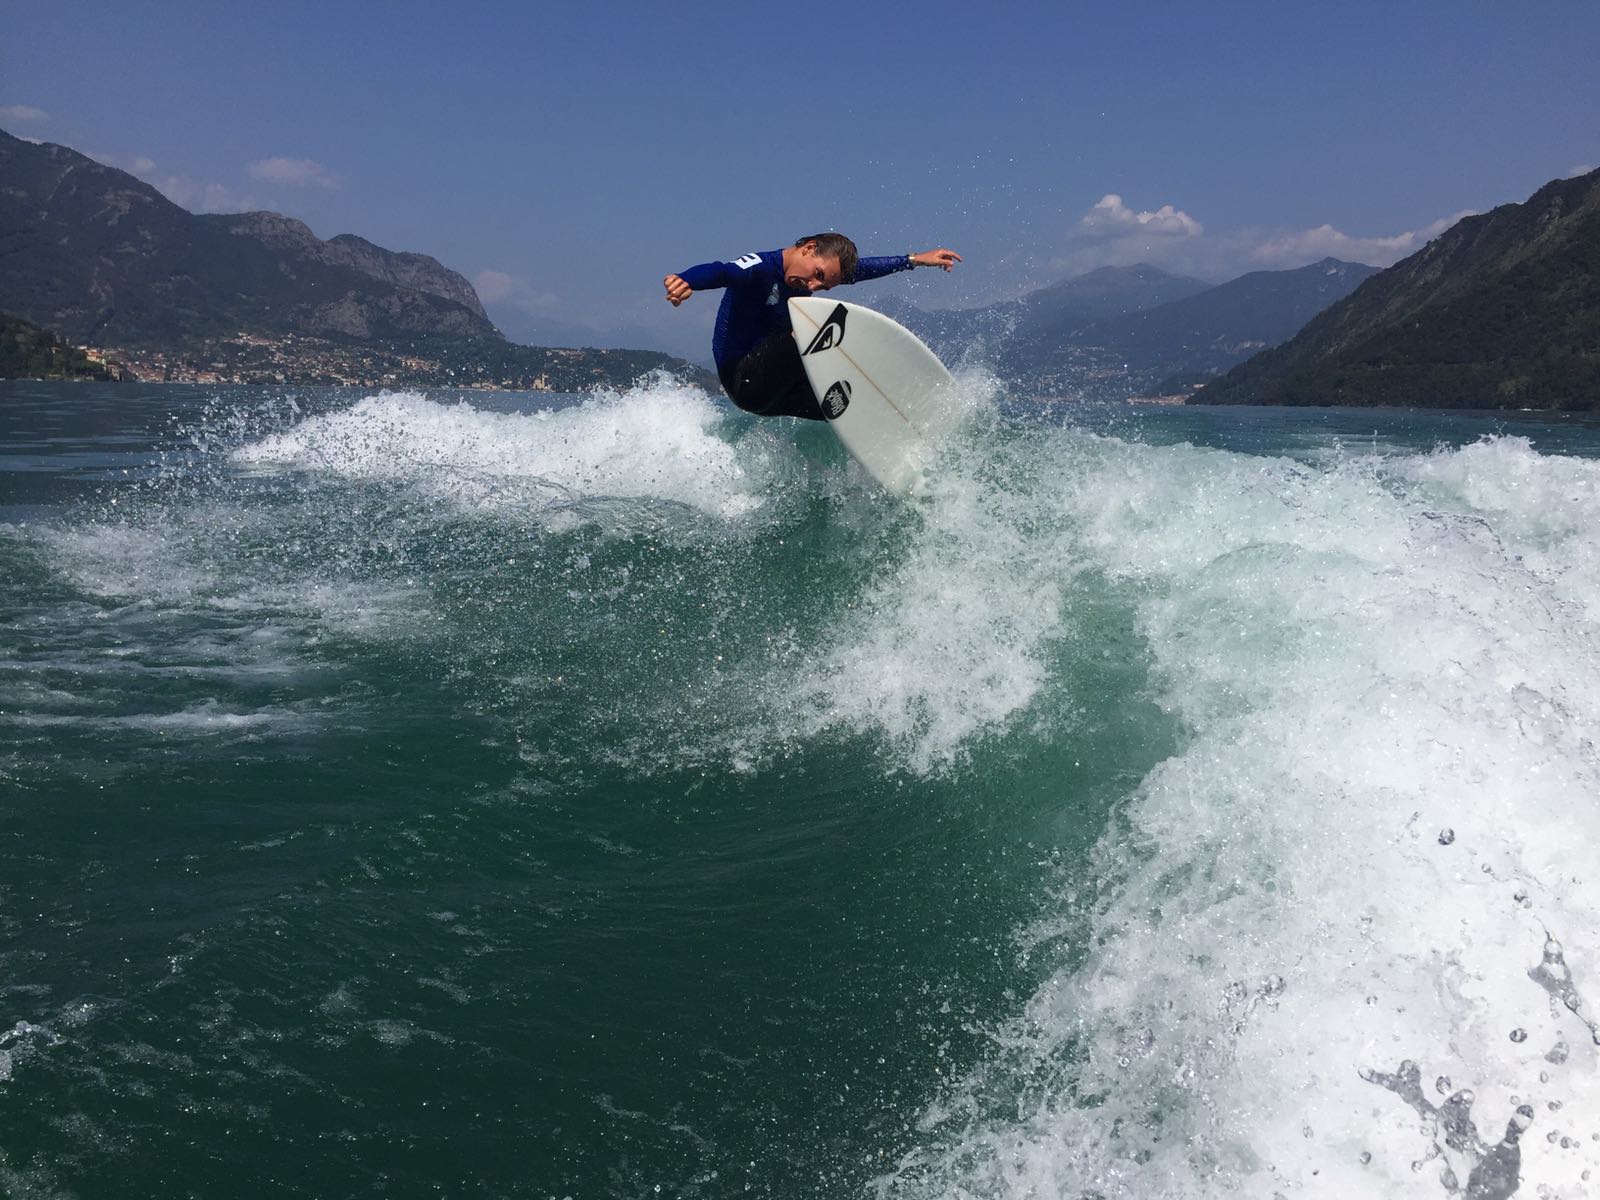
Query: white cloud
[(1293, 249), (199, 196), (1111, 218), (494, 286), (135, 164), (295, 172), (513, 291), (196, 195), (22, 112), (1111, 234), (1582, 170)]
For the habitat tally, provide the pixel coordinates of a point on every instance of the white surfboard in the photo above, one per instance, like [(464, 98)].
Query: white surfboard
[(885, 394)]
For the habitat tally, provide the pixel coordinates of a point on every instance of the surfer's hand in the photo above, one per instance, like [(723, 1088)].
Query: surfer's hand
[(943, 259), (678, 291)]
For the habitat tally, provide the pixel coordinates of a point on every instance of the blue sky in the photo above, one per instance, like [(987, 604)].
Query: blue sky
[(565, 157)]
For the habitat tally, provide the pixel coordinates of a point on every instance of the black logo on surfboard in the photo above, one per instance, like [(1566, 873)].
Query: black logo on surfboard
[(836, 399), (831, 333)]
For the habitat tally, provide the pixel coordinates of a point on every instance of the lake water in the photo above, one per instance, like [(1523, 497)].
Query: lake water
[(513, 795)]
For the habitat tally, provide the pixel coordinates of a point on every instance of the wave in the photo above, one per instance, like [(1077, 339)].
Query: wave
[(657, 441), (1341, 939), (1360, 871)]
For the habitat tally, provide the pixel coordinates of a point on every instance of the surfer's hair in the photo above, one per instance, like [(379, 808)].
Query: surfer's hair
[(836, 245)]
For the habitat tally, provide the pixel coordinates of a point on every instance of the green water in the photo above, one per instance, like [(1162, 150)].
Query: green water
[(459, 801)]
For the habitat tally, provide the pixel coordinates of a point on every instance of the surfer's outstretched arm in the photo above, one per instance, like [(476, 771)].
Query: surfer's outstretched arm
[(941, 258), (877, 268)]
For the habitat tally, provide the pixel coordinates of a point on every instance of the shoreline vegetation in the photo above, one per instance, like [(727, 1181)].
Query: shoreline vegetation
[(28, 352)]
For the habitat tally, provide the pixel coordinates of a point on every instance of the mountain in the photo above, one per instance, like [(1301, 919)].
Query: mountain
[(105, 260), (1502, 310), (1103, 294), (1123, 331), (1015, 329), (1205, 334)]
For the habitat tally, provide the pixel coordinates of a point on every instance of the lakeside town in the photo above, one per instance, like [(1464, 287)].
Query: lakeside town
[(251, 358), (28, 352)]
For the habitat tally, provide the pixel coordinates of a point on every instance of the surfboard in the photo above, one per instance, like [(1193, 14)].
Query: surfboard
[(885, 394)]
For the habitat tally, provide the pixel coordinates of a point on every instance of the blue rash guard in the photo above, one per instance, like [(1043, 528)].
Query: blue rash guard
[(756, 303)]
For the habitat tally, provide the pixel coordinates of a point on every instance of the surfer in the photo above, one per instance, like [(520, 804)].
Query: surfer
[(754, 347)]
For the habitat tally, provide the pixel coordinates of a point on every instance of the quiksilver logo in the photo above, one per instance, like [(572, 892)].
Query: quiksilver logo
[(836, 399), (831, 333)]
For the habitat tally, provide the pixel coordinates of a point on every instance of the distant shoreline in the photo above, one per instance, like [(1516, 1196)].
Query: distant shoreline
[(1540, 416)]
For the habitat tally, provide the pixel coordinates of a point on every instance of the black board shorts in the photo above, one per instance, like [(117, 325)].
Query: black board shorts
[(770, 381)]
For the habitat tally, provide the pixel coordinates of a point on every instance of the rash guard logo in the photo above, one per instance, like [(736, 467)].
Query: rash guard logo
[(836, 399), (830, 335), (746, 261)]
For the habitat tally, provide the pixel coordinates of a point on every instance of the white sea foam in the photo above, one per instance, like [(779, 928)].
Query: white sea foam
[(21, 1042), (241, 574), (1545, 508), (208, 561), (115, 560), (175, 597), (1347, 938), (952, 644), (659, 441), (202, 719)]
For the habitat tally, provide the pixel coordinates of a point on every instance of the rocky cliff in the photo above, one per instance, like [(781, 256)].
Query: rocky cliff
[(103, 258)]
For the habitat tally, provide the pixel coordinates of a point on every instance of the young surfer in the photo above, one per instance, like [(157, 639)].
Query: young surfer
[(757, 358)]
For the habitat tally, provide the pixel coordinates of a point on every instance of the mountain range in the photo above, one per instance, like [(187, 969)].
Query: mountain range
[(101, 258), (1121, 331), (1502, 310)]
